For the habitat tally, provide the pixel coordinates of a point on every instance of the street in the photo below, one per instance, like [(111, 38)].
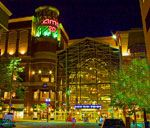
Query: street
[(55, 125), (62, 125)]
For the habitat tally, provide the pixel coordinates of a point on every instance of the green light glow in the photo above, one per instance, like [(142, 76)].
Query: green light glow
[(47, 33), (43, 31), (38, 34), (55, 35)]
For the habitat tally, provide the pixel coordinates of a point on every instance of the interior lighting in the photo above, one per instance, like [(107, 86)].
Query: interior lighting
[(78, 113), (33, 72), (50, 72), (40, 71), (31, 109)]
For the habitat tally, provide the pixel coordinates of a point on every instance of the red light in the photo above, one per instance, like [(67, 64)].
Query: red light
[(50, 22), (53, 29)]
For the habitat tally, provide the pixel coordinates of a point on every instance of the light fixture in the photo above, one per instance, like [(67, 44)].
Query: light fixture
[(22, 52), (11, 53), (33, 72), (114, 36)]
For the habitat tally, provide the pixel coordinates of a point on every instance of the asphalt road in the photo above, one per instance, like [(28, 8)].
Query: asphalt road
[(54, 125), (60, 125)]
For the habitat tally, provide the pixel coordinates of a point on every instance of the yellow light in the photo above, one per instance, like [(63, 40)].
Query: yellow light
[(33, 72), (40, 71), (78, 113), (50, 72), (114, 37), (25, 109), (98, 113), (31, 109), (38, 109), (22, 52), (11, 53)]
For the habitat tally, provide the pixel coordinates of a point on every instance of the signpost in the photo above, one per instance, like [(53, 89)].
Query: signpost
[(47, 101)]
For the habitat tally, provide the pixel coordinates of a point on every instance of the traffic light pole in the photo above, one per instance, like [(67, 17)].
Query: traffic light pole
[(47, 113)]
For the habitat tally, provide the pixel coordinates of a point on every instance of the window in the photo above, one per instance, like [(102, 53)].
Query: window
[(36, 95), (6, 95), (44, 94)]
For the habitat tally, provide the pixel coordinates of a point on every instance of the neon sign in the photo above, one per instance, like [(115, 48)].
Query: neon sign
[(52, 24), (88, 106)]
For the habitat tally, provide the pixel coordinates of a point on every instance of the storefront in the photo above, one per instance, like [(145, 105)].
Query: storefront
[(16, 109)]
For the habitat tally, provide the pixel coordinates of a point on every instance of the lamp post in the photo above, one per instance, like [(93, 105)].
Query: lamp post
[(47, 101), (117, 39)]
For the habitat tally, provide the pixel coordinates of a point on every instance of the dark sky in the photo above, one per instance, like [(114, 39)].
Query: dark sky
[(85, 18)]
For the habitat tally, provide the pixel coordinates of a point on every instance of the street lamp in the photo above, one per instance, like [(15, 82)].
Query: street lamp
[(47, 101), (117, 39)]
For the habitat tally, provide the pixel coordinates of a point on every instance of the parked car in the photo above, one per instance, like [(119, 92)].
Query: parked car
[(5, 123), (113, 123)]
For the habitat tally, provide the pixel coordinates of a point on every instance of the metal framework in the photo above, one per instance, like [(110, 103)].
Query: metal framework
[(83, 72)]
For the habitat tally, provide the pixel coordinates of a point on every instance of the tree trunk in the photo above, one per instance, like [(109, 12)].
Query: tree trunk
[(134, 117), (145, 118), (10, 101), (124, 113)]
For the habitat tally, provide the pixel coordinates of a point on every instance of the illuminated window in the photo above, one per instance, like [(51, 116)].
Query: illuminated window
[(6, 95), (12, 42), (23, 42), (36, 95), (44, 94), (2, 44), (45, 79), (52, 95), (52, 79)]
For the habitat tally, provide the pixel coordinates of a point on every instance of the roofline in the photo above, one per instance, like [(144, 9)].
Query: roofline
[(3, 7), (90, 38), (20, 19), (64, 31), (49, 7), (3, 27)]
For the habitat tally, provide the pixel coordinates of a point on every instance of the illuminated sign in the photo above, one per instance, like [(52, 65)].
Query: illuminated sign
[(88, 106), (52, 24)]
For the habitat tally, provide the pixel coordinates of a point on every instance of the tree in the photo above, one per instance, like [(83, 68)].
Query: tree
[(10, 79), (131, 86), (42, 107)]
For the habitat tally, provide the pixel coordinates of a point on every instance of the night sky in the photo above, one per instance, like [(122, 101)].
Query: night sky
[(85, 18)]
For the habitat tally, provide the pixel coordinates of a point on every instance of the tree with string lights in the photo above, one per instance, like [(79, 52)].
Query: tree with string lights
[(10, 79), (131, 87)]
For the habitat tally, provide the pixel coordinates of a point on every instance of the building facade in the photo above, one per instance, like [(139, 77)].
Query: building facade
[(74, 74), (145, 13), (4, 16)]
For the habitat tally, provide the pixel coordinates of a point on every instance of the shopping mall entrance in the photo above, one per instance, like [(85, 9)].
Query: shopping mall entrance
[(83, 76)]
